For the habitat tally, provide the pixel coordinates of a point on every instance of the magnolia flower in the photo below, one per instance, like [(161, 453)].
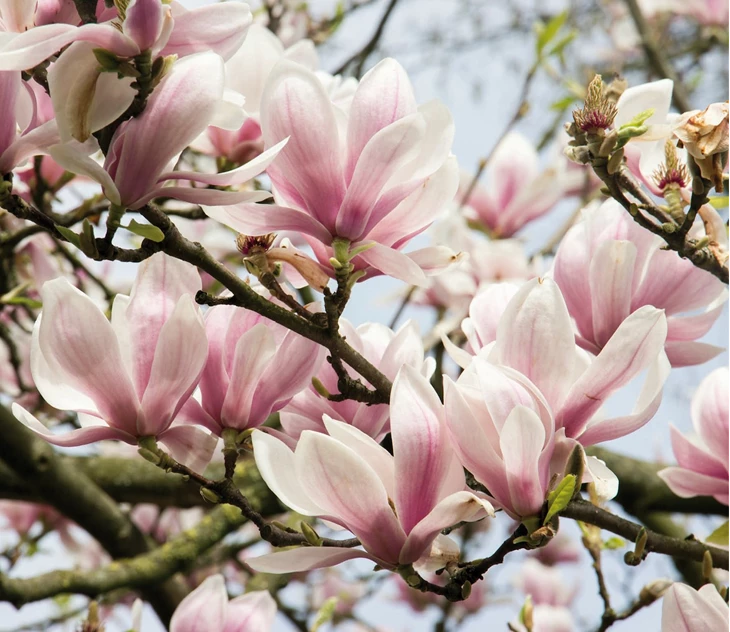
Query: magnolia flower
[(386, 350), (23, 132), (685, 609), (246, 73), (129, 378), (545, 585), (373, 177), (142, 151), (705, 136), (396, 505), (517, 190), (207, 609), (535, 337), (608, 267), (703, 460), (254, 368), (504, 434)]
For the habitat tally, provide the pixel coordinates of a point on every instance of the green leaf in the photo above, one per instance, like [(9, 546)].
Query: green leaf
[(639, 119), (719, 536), (614, 543), (546, 32), (559, 47), (70, 236), (559, 498), (563, 104), (22, 300), (325, 614), (145, 230)]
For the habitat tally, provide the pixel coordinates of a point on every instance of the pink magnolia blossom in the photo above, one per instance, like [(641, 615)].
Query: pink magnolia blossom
[(254, 368), (517, 191), (144, 149), (385, 349), (207, 609), (376, 175), (127, 378), (396, 505), (703, 460), (545, 585), (534, 336), (608, 267), (685, 609)]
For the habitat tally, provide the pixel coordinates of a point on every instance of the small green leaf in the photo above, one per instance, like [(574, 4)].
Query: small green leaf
[(639, 119), (563, 104), (145, 230), (559, 498), (719, 536), (719, 201), (70, 236), (325, 614), (546, 32), (614, 543), (22, 300), (559, 47)]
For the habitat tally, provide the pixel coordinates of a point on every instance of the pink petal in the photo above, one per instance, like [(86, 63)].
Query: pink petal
[(535, 337), (252, 612), (342, 483), (258, 219), (426, 467), (276, 464), (79, 344), (686, 610), (190, 446), (220, 28), (458, 507), (690, 353), (521, 440), (635, 344), (687, 484), (306, 558), (710, 412), (294, 104), (143, 22), (82, 436), (76, 161), (179, 358), (611, 274), (394, 263), (697, 458), (255, 350), (29, 49), (204, 609), (383, 96)]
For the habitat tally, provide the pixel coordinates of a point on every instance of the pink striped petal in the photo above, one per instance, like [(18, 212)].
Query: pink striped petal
[(306, 558), (204, 609), (343, 484), (426, 467), (710, 412), (82, 436), (252, 612), (635, 345), (687, 610), (693, 456), (690, 353), (458, 507), (687, 484), (189, 445)]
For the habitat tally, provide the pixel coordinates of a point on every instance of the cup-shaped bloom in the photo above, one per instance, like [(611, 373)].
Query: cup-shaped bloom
[(608, 267), (703, 460), (207, 609), (385, 349), (127, 378), (503, 432), (377, 174), (685, 609), (396, 505), (254, 368), (535, 337), (517, 190)]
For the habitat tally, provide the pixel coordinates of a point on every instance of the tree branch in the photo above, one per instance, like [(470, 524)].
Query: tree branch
[(77, 497), (144, 571)]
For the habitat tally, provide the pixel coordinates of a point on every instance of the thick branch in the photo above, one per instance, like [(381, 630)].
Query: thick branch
[(687, 549), (137, 481), (77, 497), (144, 571)]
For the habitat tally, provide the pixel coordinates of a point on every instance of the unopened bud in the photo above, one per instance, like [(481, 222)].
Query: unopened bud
[(654, 590), (413, 581), (210, 495), (148, 455), (320, 388), (310, 534), (707, 566), (466, 590)]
